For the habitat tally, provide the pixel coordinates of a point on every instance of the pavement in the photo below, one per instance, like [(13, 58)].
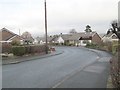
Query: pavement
[(29, 58)]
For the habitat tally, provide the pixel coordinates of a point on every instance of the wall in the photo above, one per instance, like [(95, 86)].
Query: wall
[(96, 39)]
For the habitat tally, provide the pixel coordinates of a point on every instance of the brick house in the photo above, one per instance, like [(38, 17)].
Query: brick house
[(6, 36)]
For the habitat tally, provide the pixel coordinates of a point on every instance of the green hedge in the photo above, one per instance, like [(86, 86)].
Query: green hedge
[(92, 45), (18, 50), (28, 49)]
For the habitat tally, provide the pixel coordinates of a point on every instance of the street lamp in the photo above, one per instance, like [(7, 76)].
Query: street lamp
[(46, 46)]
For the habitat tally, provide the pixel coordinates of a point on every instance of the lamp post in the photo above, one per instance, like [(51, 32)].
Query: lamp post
[(46, 46)]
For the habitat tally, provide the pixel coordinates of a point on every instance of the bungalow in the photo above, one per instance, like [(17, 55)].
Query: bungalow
[(8, 36), (79, 38), (62, 38)]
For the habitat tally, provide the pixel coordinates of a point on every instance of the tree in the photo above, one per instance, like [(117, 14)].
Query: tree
[(28, 39), (116, 28), (72, 31), (109, 31), (15, 43), (88, 29)]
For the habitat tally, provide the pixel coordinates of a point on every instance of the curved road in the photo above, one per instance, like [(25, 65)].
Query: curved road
[(76, 68)]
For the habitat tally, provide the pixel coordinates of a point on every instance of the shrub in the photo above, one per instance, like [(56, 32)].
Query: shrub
[(18, 50), (28, 49), (31, 49), (15, 43), (91, 45)]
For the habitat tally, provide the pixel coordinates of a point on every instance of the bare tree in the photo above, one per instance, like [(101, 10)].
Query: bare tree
[(72, 31), (27, 37)]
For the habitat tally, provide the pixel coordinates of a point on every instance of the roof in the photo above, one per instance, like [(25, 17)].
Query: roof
[(43, 39), (75, 36), (66, 36), (82, 35), (7, 34), (110, 35), (102, 35)]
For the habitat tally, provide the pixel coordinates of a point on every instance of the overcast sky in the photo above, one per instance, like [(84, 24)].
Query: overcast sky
[(63, 15)]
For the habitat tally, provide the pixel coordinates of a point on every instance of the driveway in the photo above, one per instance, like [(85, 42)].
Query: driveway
[(76, 67)]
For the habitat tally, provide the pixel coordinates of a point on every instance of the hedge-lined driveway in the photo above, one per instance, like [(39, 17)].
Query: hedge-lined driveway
[(76, 67)]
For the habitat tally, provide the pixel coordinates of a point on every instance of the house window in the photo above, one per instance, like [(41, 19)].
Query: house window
[(85, 41)]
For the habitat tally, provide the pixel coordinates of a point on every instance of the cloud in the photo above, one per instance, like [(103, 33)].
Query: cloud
[(62, 15)]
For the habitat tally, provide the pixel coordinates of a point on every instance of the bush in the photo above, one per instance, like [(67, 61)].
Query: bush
[(31, 49), (15, 43), (18, 50), (92, 45), (28, 49)]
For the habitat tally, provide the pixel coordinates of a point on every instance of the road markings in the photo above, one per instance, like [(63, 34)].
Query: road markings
[(68, 76)]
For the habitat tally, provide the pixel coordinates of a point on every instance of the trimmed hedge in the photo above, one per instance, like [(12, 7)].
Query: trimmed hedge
[(28, 49), (18, 50), (31, 49)]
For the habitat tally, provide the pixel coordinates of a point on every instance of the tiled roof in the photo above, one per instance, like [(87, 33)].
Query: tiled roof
[(9, 35), (43, 39), (5, 38), (77, 36)]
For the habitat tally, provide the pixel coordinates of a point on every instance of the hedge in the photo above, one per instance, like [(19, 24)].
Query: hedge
[(31, 49), (28, 49), (18, 50)]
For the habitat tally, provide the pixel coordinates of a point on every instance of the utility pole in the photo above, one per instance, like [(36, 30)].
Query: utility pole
[(46, 27)]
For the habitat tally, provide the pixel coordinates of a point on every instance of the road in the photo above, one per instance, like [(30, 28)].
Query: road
[(77, 67)]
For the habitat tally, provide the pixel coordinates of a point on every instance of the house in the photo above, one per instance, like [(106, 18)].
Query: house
[(111, 37), (28, 39), (7, 36), (83, 38), (79, 38)]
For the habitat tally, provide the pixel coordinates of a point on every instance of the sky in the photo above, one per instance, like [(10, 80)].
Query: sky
[(62, 15)]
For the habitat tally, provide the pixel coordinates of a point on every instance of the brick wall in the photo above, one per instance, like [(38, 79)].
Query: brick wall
[(96, 39)]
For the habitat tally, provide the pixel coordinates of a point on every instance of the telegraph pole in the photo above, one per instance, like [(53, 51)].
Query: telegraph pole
[(46, 28)]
